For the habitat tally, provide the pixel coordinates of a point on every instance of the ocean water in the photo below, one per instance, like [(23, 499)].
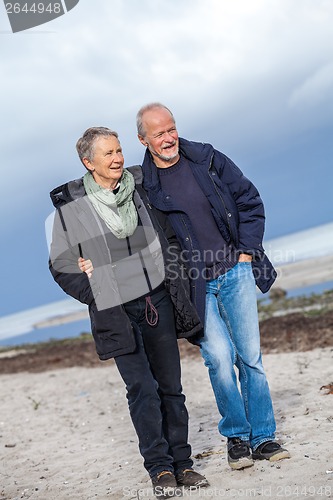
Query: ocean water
[(51, 333), (78, 327), (20, 328), (314, 242)]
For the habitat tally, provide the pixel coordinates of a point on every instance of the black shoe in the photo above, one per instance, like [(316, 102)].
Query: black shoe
[(164, 484), (270, 450), (239, 453), (188, 477)]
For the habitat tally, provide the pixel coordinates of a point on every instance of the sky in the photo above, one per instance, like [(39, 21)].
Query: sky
[(253, 78)]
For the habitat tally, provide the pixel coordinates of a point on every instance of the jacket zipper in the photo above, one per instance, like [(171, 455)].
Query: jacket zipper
[(219, 195), (189, 237), (191, 243)]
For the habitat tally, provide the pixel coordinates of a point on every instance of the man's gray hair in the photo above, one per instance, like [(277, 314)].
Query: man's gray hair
[(85, 145), (142, 111)]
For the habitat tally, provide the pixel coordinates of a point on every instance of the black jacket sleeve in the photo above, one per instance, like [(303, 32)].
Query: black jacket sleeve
[(63, 264)]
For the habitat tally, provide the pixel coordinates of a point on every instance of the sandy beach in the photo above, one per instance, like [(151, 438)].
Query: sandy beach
[(67, 434)]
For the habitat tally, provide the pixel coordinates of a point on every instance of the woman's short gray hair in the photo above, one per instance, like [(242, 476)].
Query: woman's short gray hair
[(85, 145), (142, 111)]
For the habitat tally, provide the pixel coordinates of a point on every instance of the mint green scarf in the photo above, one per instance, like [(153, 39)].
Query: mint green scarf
[(117, 210)]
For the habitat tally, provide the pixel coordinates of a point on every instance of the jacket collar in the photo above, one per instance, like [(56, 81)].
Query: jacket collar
[(68, 192), (196, 152)]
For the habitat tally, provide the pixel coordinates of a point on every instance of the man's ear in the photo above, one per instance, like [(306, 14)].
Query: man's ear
[(142, 140)]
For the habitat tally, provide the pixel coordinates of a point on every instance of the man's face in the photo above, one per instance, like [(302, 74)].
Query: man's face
[(107, 163), (161, 136)]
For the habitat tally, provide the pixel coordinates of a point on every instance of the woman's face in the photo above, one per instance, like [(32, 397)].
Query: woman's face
[(107, 164)]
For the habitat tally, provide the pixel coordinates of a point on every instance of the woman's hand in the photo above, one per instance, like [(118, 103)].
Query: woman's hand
[(244, 257), (85, 266)]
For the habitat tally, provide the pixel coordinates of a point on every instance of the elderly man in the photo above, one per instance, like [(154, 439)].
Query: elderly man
[(218, 217)]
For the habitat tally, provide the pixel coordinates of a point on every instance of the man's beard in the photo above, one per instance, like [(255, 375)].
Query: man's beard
[(163, 157)]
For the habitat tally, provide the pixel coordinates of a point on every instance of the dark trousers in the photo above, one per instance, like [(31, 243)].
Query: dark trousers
[(154, 392)]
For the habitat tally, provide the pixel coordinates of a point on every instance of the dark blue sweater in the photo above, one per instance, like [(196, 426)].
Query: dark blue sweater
[(179, 183)]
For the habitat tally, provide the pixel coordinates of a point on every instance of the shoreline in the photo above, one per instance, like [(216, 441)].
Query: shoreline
[(286, 325)]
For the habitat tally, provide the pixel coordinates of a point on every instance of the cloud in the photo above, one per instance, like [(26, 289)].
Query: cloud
[(316, 90), (137, 50), (247, 72)]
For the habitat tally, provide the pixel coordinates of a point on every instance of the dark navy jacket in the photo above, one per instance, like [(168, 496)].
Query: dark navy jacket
[(76, 233), (236, 206)]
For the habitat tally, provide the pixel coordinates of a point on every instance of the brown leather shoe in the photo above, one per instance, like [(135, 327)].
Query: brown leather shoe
[(188, 477), (164, 484)]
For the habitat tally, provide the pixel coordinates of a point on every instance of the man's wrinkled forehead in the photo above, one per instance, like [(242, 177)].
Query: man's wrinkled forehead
[(157, 119)]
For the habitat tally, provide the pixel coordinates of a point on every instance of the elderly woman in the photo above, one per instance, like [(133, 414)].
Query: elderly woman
[(137, 300)]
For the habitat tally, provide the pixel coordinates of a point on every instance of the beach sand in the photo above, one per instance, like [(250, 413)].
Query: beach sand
[(66, 434)]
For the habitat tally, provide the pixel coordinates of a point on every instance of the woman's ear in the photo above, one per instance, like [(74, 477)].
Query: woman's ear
[(87, 164)]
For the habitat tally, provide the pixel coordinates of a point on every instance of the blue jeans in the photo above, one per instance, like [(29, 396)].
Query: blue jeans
[(232, 339)]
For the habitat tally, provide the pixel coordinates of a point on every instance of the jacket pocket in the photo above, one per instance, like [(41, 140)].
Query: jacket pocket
[(112, 331)]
